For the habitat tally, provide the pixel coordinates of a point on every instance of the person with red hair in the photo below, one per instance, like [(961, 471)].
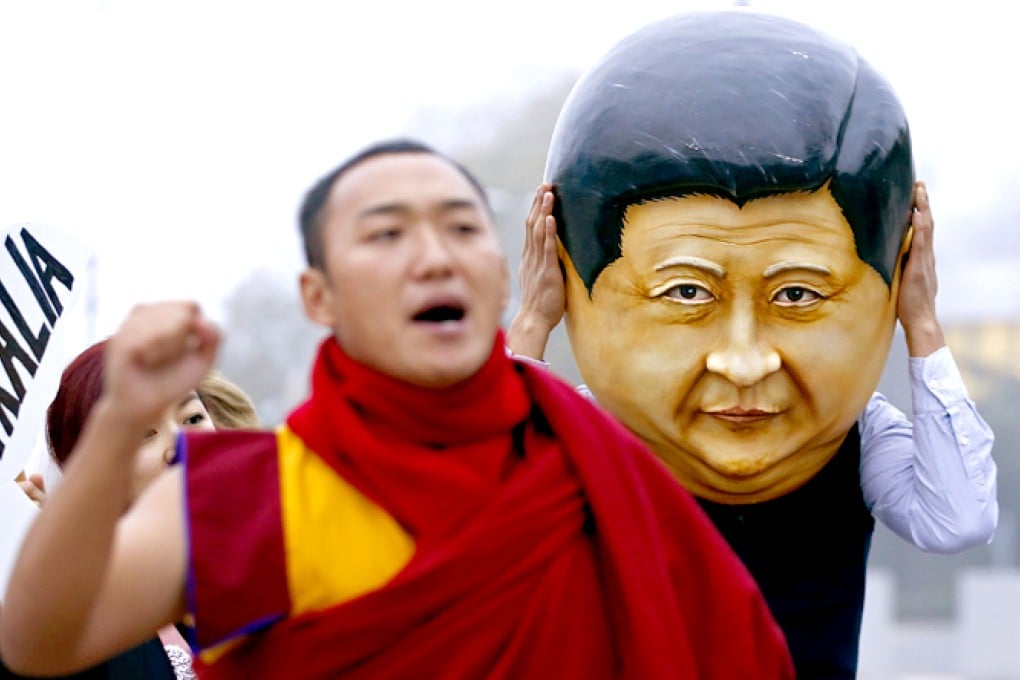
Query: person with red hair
[(167, 655), (81, 383)]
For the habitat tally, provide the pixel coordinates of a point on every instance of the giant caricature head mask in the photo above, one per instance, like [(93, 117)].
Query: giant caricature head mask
[(733, 196)]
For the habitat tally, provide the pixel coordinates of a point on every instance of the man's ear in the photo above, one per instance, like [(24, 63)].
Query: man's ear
[(504, 299), (317, 296)]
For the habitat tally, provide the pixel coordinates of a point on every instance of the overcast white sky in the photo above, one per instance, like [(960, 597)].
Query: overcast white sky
[(176, 138)]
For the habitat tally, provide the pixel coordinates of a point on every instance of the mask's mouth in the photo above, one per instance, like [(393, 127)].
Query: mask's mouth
[(739, 415), (738, 411), (440, 313)]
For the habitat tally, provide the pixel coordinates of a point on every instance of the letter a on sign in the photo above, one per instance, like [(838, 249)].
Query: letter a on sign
[(42, 272)]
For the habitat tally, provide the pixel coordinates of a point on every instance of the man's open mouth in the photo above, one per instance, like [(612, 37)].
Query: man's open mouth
[(440, 313)]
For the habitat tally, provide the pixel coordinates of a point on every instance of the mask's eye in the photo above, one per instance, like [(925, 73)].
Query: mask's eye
[(793, 296), (689, 293)]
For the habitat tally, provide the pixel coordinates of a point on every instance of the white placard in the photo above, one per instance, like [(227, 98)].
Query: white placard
[(42, 273)]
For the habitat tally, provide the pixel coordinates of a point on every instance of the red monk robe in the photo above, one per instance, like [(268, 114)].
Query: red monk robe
[(501, 528)]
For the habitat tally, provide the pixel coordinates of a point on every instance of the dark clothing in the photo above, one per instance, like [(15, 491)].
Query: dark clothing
[(147, 661), (808, 551)]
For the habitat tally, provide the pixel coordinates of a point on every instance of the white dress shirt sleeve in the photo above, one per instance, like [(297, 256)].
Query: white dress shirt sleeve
[(931, 482)]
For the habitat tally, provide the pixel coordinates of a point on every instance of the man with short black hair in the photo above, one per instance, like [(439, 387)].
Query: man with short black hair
[(433, 509)]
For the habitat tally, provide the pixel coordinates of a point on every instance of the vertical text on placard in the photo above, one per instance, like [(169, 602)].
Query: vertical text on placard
[(40, 269)]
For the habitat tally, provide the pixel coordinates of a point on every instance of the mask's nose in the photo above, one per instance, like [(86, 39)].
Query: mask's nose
[(742, 358)]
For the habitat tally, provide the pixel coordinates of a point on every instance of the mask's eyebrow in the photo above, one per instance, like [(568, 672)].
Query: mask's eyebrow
[(690, 261), (785, 266)]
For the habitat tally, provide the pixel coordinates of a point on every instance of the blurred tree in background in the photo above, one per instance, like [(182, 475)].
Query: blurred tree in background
[(268, 344)]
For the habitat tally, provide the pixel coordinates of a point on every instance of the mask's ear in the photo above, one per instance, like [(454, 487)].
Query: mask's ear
[(317, 297), (901, 262), (561, 252), (566, 265), (901, 259)]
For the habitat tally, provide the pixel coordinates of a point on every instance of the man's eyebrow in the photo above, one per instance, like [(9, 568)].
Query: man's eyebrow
[(396, 208), (690, 261), (787, 265)]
